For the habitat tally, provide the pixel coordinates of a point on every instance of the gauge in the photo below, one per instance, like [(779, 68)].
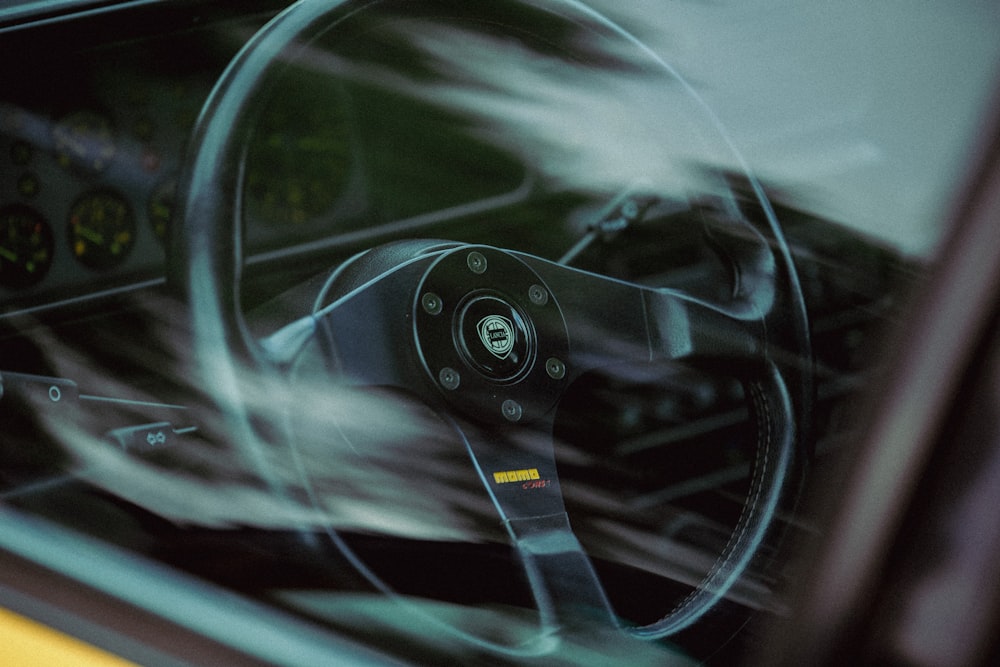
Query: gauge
[(300, 156), (161, 208), (84, 139), (101, 230), (26, 247)]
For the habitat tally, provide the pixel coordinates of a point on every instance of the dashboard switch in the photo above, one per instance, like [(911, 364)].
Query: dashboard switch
[(144, 438), (36, 390)]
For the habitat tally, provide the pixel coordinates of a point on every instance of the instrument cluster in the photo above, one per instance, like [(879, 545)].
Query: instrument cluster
[(93, 137), (87, 187)]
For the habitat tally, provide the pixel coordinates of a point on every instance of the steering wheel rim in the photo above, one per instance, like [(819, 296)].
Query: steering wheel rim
[(210, 257)]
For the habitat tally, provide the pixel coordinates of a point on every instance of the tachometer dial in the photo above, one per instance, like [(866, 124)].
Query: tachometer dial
[(101, 230), (84, 139), (26, 247)]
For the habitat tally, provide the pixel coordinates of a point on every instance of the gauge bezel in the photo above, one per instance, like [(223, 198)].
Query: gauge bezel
[(101, 256), (24, 277)]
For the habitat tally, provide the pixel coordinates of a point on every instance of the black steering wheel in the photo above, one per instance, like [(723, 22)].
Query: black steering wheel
[(492, 338)]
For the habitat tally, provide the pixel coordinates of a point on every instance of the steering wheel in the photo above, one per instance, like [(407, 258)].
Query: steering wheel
[(492, 338)]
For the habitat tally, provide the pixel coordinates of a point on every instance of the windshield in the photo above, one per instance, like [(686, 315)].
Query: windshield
[(868, 111)]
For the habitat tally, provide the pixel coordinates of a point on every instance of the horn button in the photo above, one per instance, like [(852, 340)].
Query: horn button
[(490, 335), (494, 337)]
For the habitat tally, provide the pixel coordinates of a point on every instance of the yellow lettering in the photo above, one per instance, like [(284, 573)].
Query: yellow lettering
[(523, 475)]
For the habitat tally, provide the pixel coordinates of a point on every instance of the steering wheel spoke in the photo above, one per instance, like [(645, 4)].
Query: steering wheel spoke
[(518, 469), (567, 591), (611, 322), (361, 331)]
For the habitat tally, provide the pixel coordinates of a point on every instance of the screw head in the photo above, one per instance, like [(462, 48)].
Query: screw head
[(555, 368), (431, 303), (512, 410), (538, 295), (449, 378), (477, 262)]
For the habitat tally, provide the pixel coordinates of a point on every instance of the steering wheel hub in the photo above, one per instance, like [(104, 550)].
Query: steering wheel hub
[(480, 327)]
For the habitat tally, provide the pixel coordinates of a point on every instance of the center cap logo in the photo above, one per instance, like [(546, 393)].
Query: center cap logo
[(493, 337), (497, 334)]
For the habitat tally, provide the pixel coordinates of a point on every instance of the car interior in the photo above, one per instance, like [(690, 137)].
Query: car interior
[(434, 332)]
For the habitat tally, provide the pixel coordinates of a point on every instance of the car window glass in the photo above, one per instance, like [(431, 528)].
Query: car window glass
[(464, 329)]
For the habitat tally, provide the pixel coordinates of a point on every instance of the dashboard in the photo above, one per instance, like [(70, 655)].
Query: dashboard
[(93, 138), (91, 149)]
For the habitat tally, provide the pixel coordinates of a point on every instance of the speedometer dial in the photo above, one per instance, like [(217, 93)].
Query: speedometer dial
[(26, 247), (101, 230)]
